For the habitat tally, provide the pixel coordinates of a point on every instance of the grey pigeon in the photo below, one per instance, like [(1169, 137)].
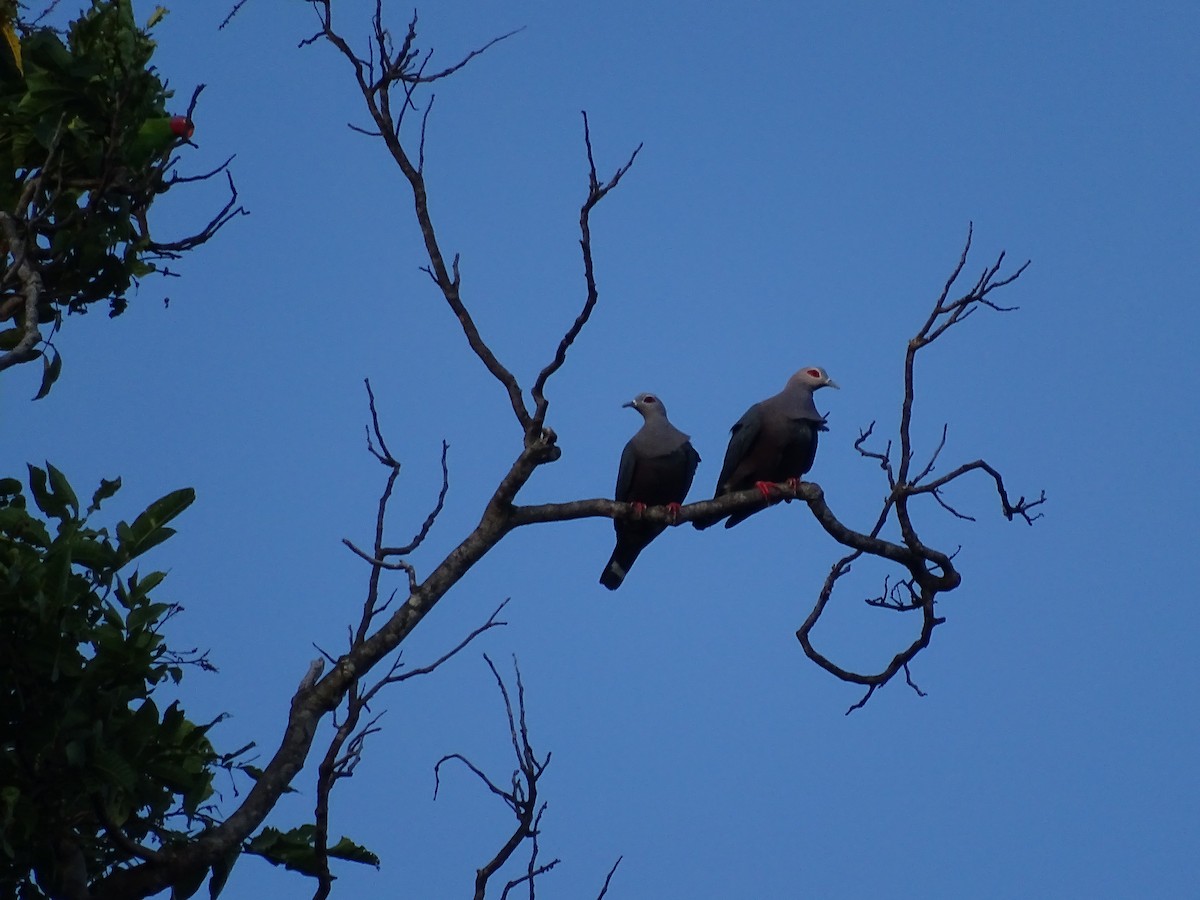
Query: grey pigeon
[(776, 440), (657, 467)]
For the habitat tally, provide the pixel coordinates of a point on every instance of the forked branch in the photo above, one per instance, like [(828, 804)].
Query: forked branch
[(522, 794), (930, 572), (393, 68), (596, 193), (403, 69)]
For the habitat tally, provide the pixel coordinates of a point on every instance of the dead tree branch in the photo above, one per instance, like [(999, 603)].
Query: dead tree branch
[(395, 69), (522, 795), (931, 572), (608, 879), (345, 749), (596, 192), (402, 68)]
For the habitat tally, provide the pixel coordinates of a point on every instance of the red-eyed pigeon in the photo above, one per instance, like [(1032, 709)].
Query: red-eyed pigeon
[(775, 441), (657, 467)]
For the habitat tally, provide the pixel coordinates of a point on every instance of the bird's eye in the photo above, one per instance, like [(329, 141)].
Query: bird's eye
[(814, 373)]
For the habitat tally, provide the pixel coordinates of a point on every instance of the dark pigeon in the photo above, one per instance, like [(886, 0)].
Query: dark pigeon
[(657, 467), (775, 441)]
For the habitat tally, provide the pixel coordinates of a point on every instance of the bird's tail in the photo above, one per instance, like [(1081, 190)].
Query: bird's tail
[(613, 574), (621, 562)]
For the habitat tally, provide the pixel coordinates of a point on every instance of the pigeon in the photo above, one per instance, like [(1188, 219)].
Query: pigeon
[(776, 440), (657, 467)]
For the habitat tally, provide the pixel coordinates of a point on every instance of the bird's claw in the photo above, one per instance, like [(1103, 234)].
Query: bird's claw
[(764, 488), (673, 512), (793, 485), (638, 508)]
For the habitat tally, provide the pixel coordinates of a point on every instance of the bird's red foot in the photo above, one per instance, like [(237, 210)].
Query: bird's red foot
[(764, 488), (638, 508), (673, 511)]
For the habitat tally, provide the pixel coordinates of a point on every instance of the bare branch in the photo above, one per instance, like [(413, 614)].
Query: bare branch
[(394, 69), (521, 798), (608, 878), (532, 870), (863, 702), (346, 747), (437, 778), (419, 538), (596, 193), (930, 572), (937, 495), (933, 458), (884, 458), (1011, 510), (912, 684), (174, 249), (384, 455), (492, 622), (425, 79), (232, 12)]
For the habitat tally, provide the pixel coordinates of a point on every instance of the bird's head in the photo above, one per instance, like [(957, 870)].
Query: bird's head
[(182, 127), (813, 377), (647, 405)]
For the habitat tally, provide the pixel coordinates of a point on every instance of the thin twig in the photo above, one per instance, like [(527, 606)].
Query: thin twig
[(596, 193)]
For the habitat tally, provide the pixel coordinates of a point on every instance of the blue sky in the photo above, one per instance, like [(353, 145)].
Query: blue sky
[(808, 174)]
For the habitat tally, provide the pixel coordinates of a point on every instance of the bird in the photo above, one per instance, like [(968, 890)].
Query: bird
[(775, 440), (657, 468), (156, 137)]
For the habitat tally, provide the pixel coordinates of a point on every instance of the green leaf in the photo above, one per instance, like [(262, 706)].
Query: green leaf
[(62, 488), (46, 501), (291, 849), (140, 587), (10, 337), (107, 489), (146, 615), (296, 849), (52, 368), (92, 554), (18, 525), (166, 508), (157, 16), (148, 528), (119, 771), (351, 852), (151, 540)]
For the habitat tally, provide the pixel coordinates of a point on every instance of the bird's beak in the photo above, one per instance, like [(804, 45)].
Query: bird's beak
[(829, 382), (630, 404)]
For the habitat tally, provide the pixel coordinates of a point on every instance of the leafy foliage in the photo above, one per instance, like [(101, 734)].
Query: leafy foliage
[(72, 149), (296, 849), (85, 146), (90, 766)]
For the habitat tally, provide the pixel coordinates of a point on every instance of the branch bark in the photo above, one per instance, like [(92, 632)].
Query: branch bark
[(30, 280)]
